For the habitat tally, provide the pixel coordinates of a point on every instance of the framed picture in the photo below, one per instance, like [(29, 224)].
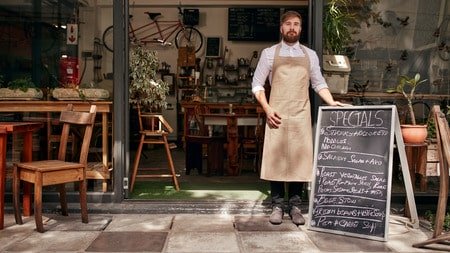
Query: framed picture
[(213, 47), (170, 79)]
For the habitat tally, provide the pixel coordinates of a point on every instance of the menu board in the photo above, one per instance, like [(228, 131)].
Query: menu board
[(254, 24), (352, 171)]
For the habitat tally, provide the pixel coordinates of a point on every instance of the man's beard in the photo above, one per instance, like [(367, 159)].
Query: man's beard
[(291, 37)]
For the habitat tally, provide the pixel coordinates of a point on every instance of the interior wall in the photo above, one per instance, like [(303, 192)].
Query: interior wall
[(213, 23)]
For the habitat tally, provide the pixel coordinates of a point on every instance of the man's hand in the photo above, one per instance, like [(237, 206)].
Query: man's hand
[(337, 103), (273, 119)]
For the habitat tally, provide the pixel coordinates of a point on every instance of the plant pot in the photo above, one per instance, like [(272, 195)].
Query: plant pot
[(414, 133), (17, 94), (80, 94)]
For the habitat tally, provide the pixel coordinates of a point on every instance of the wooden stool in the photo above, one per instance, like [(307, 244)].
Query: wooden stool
[(155, 131)]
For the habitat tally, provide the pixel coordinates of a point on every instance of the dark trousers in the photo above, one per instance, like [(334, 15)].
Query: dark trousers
[(277, 192)]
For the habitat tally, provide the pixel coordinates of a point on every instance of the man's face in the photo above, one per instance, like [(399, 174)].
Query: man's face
[(290, 30)]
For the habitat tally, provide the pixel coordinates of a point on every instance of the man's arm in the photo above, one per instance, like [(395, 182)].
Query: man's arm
[(326, 96)]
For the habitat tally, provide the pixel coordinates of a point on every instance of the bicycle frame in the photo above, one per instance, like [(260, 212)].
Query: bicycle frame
[(159, 32), (165, 29)]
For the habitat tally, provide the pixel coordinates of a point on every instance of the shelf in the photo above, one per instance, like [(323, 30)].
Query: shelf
[(230, 87), (185, 77)]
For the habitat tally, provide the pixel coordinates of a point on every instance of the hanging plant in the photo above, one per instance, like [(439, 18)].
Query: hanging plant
[(341, 19), (145, 88)]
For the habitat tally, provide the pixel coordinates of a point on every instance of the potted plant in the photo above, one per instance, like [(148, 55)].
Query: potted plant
[(21, 88), (80, 92), (412, 133), (146, 90)]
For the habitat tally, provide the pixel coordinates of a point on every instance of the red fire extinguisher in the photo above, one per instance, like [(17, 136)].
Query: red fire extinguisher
[(68, 71)]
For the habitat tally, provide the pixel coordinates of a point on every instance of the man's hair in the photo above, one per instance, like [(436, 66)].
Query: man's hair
[(290, 14)]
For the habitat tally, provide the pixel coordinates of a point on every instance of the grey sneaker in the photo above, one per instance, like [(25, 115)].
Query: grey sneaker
[(277, 215), (296, 216)]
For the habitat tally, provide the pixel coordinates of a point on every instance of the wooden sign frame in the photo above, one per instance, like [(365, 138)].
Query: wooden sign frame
[(443, 140), (327, 210)]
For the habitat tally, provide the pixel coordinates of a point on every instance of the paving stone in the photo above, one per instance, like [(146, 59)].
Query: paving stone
[(330, 242), (196, 223), (139, 222), (402, 237), (13, 232), (73, 223), (195, 242), (276, 241), (55, 241), (128, 242)]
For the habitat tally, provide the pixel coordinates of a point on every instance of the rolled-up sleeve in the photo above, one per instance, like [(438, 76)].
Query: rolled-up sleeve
[(262, 71), (317, 80)]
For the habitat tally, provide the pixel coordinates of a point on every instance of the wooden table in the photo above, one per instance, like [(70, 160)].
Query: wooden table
[(27, 129), (416, 154), (103, 107), (231, 121)]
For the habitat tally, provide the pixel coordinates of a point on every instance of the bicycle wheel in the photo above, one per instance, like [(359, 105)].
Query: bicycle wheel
[(189, 37), (108, 38)]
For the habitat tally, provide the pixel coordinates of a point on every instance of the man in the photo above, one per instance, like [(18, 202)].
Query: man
[(288, 152)]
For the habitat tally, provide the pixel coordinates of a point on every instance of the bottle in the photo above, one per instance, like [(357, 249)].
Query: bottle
[(193, 127)]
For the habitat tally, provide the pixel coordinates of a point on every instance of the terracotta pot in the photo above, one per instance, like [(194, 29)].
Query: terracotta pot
[(414, 133)]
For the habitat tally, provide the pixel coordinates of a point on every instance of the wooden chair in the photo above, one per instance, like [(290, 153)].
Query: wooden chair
[(252, 145), (57, 172), (153, 129), (197, 135)]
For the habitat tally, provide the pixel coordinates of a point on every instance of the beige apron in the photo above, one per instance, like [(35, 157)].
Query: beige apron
[(288, 150)]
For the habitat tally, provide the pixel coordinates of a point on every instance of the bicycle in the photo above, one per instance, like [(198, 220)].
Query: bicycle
[(186, 35)]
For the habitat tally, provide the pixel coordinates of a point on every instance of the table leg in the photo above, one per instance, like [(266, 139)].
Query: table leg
[(27, 157), (410, 157), (105, 148), (422, 167), (2, 178), (232, 137)]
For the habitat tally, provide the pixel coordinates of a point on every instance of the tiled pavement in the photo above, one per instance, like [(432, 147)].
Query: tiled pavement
[(177, 233)]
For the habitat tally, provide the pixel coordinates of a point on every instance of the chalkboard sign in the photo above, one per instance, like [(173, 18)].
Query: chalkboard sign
[(352, 171), (254, 24), (213, 47)]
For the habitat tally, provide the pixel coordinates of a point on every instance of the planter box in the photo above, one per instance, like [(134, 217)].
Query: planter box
[(16, 94), (80, 94)]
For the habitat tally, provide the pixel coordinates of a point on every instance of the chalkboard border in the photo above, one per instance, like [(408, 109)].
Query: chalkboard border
[(389, 183)]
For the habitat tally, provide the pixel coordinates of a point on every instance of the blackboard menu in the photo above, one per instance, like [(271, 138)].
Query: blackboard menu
[(254, 24), (352, 175)]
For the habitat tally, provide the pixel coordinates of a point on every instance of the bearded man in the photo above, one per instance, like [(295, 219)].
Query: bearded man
[(288, 150)]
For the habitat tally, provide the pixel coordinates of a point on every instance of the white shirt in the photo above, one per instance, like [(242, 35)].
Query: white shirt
[(264, 67)]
